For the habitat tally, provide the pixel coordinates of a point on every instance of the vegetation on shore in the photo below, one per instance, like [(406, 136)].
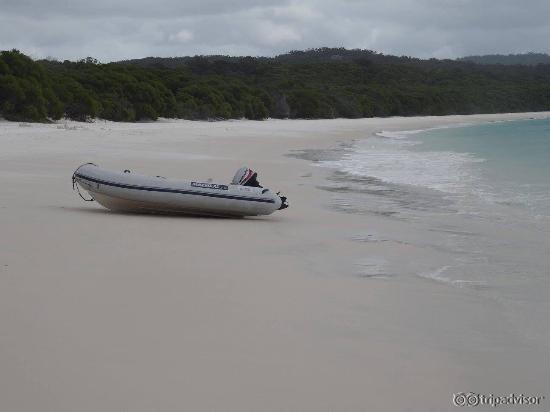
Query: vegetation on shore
[(319, 83)]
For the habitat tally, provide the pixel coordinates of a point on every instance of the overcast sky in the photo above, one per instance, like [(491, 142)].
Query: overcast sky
[(119, 29)]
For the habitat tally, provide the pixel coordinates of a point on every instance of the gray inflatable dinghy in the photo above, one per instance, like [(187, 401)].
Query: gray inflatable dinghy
[(129, 192)]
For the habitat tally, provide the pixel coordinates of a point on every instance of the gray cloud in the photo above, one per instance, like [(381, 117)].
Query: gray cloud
[(110, 30)]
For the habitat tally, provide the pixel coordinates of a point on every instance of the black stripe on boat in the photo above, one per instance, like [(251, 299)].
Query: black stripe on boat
[(179, 191)]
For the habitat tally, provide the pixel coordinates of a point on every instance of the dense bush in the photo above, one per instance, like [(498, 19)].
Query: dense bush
[(26, 90), (320, 83)]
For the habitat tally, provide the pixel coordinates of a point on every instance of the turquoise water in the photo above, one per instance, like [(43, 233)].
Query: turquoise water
[(474, 199), (470, 206), (505, 164), (511, 159)]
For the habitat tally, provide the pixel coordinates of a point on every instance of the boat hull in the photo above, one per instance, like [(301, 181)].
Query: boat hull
[(129, 192)]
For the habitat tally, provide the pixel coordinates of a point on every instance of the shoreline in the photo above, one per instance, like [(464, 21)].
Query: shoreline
[(160, 312)]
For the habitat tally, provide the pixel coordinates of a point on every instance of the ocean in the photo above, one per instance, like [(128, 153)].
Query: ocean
[(472, 202), (503, 162)]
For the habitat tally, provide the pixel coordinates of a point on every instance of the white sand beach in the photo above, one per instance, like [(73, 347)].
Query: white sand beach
[(103, 311)]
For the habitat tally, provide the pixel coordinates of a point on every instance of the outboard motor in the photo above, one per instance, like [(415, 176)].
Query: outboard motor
[(248, 177)]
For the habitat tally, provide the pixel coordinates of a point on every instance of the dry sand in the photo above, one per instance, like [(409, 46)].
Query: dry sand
[(117, 312)]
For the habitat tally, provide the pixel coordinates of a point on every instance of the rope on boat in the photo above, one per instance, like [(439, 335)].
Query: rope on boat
[(75, 183)]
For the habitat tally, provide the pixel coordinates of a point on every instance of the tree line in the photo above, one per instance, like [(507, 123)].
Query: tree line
[(317, 83), (531, 59)]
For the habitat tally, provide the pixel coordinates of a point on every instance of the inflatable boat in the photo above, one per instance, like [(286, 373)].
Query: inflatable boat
[(130, 192)]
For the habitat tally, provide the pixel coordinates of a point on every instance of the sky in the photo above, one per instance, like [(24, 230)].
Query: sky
[(111, 30)]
